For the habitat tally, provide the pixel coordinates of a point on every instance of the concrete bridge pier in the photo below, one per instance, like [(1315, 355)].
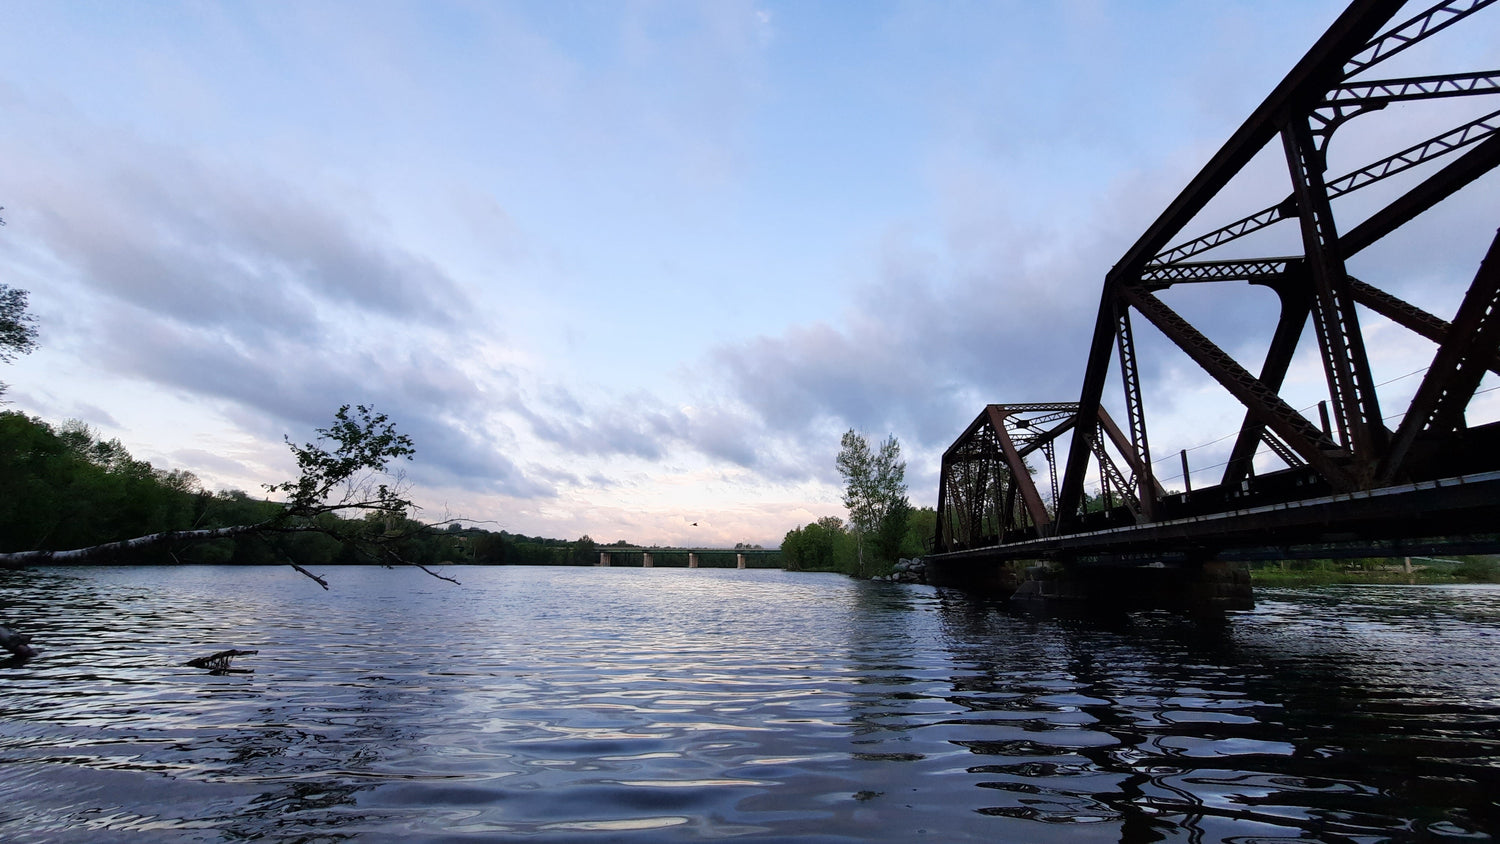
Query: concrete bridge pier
[(692, 560), (647, 561), (1210, 585), (739, 561), (1207, 585), (604, 558)]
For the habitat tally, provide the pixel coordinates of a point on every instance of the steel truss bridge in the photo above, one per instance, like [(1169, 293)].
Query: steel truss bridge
[(1343, 483)]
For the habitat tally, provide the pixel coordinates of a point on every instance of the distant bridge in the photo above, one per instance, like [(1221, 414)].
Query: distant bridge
[(648, 557), (1344, 484)]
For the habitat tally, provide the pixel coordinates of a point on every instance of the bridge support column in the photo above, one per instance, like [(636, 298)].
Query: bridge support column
[(739, 561), (604, 558), (647, 561), (1211, 585), (1188, 586), (692, 560)]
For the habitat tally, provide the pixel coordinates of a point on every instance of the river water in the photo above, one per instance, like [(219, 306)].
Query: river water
[(613, 704)]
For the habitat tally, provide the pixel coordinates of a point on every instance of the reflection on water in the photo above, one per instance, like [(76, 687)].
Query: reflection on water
[(671, 704)]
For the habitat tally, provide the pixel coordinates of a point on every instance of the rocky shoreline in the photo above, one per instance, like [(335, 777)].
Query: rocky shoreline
[(906, 571)]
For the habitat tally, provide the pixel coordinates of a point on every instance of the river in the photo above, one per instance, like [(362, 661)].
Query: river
[(615, 704)]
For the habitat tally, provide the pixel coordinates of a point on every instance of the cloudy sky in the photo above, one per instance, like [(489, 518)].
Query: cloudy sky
[(620, 267)]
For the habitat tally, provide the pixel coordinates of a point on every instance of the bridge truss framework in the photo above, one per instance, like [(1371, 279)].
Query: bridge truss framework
[(1334, 465)]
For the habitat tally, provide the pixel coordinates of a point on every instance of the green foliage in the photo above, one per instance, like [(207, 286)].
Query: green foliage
[(1478, 570), (825, 545), (813, 547), (65, 487), (501, 548), (583, 552), (921, 529), (1424, 570), (350, 457), (17, 327), (890, 534), (875, 495)]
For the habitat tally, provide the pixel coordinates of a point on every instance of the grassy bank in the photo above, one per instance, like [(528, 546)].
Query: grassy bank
[(1422, 571)]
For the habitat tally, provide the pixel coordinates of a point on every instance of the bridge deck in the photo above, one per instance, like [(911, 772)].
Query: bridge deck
[(1452, 515)]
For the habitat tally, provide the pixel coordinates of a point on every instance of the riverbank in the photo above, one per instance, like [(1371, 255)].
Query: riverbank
[(1413, 571), (1271, 577)]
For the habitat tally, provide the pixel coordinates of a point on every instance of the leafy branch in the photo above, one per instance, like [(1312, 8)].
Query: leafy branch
[(346, 468)]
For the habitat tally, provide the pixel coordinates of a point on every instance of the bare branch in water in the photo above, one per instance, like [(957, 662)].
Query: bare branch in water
[(320, 581)]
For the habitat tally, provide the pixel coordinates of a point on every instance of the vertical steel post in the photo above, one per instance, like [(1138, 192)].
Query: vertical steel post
[(1289, 326), (1356, 407), (1135, 412), (942, 535), (1051, 452)]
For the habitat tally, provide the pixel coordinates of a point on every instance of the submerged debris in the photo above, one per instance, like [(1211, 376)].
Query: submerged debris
[(218, 663), (18, 644)]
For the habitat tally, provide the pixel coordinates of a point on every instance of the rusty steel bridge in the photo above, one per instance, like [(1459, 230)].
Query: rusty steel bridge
[(1333, 479)]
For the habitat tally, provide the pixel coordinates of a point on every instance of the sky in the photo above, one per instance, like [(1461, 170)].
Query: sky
[(629, 269)]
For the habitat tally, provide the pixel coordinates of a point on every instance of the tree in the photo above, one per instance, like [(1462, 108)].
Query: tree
[(874, 493), (347, 468), (890, 535), (17, 327), (583, 553), (921, 528), (813, 547)]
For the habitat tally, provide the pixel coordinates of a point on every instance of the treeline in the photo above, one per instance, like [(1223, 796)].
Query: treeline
[(1477, 568), (497, 548), (829, 545), (65, 487), (501, 548)]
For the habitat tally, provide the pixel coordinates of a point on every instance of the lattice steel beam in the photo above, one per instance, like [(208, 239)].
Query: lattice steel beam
[(1439, 186), (1281, 449), (1350, 382), (1220, 236), (1135, 412), (1409, 32), (985, 473), (1044, 440), (1110, 476), (1470, 133), (1407, 315), (1293, 428), (1415, 88), (1254, 270), (1320, 70), (1457, 368), (1020, 475)]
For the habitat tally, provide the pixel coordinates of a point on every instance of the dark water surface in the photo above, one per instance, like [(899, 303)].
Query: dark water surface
[(558, 704)]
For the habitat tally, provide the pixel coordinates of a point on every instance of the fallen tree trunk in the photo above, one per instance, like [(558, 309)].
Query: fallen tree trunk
[(20, 559), (349, 460), (374, 548)]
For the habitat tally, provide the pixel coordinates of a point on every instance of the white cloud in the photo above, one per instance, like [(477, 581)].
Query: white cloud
[(613, 264)]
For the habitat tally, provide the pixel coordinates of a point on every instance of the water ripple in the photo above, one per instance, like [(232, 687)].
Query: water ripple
[(658, 705)]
